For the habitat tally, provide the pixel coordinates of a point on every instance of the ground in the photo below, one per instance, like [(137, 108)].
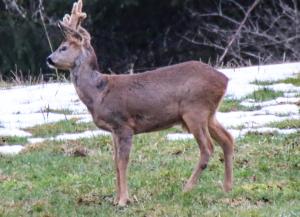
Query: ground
[(55, 162)]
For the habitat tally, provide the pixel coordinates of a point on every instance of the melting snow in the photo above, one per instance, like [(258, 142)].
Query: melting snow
[(13, 132), (235, 133), (241, 78), (250, 119), (284, 88), (71, 136), (25, 106), (23, 120), (179, 136), (11, 149), (286, 109), (279, 100), (269, 130), (87, 134)]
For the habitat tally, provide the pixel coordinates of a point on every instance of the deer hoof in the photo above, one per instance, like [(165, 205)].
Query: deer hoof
[(188, 187), (124, 202), (227, 187)]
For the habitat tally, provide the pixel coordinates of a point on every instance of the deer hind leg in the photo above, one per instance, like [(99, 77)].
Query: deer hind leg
[(226, 141), (199, 129)]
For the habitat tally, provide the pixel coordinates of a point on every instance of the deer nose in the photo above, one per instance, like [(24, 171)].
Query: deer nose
[(49, 61)]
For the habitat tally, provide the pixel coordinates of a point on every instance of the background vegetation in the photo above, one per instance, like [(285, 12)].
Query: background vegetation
[(144, 34)]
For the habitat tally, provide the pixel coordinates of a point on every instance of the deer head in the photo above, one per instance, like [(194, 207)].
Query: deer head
[(77, 39)]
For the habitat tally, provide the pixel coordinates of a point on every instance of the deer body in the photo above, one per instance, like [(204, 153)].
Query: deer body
[(187, 93), (152, 100)]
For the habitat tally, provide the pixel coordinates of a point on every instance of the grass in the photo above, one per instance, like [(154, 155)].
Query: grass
[(286, 124), (45, 181), (294, 80), (229, 105), (54, 129), (265, 94), (5, 85), (13, 140), (58, 111), (263, 83)]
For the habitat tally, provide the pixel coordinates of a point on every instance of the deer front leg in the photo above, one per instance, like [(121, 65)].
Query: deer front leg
[(115, 157), (122, 151)]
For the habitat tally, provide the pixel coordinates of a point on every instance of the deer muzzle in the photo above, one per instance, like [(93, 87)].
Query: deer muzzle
[(50, 62)]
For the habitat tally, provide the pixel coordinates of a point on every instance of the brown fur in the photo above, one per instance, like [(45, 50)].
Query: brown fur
[(188, 93)]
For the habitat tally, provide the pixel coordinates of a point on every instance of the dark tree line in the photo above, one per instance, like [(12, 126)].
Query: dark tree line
[(144, 34)]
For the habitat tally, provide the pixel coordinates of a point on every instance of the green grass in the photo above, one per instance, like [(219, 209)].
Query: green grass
[(58, 111), (13, 140), (229, 105), (263, 83), (53, 129), (294, 80), (45, 181), (286, 124), (265, 94)]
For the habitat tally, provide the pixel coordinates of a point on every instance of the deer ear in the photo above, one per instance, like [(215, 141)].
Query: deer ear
[(68, 32)]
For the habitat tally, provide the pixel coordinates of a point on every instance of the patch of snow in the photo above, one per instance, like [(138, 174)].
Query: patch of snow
[(179, 136), (249, 119), (290, 94), (37, 98), (85, 118), (189, 136), (13, 132), (234, 133), (284, 87), (279, 100), (71, 136), (241, 78), (11, 149), (238, 90), (29, 120), (269, 130), (284, 109), (86, 134), (36, 140)]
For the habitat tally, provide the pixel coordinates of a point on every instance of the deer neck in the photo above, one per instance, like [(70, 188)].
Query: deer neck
[(86, 77)]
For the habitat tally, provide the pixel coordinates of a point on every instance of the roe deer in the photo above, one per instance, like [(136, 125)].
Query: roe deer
[(188, 93)]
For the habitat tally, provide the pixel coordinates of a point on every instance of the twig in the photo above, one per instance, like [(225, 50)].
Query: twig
[(46, 31), (238, 30), (13, 6)]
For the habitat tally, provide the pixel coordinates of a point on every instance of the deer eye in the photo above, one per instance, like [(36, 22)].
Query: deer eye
[(64, 48)]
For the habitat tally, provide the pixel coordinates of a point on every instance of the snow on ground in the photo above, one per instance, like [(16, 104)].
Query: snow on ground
[(13, 132), (278, 101), (71, 136), (241, 78), (11, 149), (249, 119), (235, 133), (27, 106)]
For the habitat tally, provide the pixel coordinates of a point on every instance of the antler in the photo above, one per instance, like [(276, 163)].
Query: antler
[(76, 17), (71, 23)]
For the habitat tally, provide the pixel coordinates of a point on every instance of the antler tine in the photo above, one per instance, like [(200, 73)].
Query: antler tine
[(76, 17), (66, 19), (79, 6)]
